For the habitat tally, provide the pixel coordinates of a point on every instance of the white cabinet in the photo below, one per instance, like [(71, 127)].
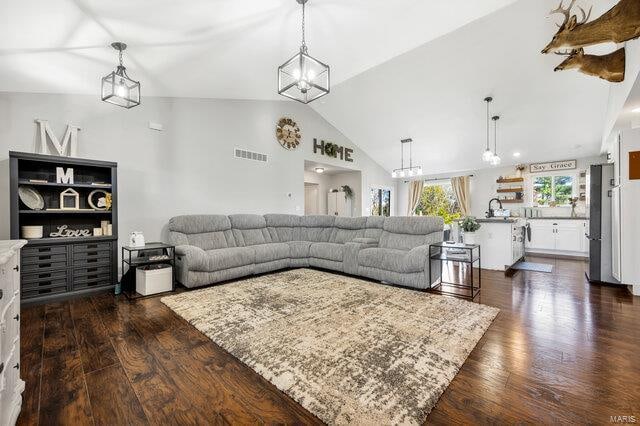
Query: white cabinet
[(338, 204), (558, 236), (11, 386), (543, 236)]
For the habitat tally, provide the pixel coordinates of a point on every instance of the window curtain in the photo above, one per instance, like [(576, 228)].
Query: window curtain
[(460, 187), (415, 191)]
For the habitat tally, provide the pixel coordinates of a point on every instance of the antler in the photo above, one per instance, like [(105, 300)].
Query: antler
[(585, 16), (566, 12)]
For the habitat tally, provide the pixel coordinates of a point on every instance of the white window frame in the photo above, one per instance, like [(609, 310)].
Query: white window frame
[(575, 175)]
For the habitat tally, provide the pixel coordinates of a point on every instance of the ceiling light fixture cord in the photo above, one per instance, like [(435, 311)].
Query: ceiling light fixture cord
[(495, 135), (488, 115), (304, 40)]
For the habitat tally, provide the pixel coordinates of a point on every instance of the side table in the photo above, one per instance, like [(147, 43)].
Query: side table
[(463, 255), (128, 282)]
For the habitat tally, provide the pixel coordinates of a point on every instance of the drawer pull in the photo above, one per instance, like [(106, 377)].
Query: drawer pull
[(17, 317), (44, 249), (44, 257), (92, 276), (92, 253), (16, 268), (43, 283), (44, 265), (92, 269), (17, 366), (44, 275)]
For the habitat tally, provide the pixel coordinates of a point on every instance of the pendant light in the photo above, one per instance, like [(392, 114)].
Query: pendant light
[(495, 160), (117, 87), (303, 78), (487, 155), (407, 171)]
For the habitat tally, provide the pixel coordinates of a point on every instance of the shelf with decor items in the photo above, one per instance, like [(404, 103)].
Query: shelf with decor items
[(519, 189), (510, 180), (70, 219)]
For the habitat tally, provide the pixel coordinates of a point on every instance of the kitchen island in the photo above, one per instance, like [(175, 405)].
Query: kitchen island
[(502, 242)]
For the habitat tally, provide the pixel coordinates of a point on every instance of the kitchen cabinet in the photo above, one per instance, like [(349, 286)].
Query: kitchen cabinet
[(501, 241), (338, 204), (565, 236)]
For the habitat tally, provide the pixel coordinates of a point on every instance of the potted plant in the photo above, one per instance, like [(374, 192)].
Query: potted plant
[(348, 192), (469, 226)]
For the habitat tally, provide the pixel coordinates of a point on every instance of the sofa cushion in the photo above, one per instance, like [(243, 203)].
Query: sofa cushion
[(393, 260), (373, 227), (328, 251), (283, 227), (316, 228), (347, 228), (207, 232), (249, 229), (405, 233), (270, 252), (299, 249)]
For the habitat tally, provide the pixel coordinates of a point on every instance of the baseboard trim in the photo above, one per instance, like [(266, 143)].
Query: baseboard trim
[(557, 256)]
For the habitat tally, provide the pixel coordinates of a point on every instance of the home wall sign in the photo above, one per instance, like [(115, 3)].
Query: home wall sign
[(69, 145), (333, 150), (553, 166)]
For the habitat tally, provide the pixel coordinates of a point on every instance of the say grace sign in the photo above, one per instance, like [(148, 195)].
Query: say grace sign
[(553, 166)]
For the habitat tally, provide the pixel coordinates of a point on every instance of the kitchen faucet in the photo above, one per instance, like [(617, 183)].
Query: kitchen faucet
[(490, 212)]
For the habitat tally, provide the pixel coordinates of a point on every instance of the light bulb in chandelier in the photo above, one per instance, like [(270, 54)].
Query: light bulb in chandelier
[(496, 160), (487, 156)]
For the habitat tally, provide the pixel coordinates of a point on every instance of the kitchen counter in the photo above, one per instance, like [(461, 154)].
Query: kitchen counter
[(498, 220), (559, 218)]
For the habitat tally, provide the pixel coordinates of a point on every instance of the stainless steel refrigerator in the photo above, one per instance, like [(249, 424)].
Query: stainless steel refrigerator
[(599, 236)]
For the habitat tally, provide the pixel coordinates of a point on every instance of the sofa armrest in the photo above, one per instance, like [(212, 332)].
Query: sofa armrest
[(186, 250), (351, 250), (431, 267)]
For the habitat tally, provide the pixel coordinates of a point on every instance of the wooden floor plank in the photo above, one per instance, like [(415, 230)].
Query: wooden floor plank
[(93, 341), (113, 401), (561, 350)]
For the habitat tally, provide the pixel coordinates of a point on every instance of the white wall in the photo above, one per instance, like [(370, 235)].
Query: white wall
[(483, 187), (189, 167)]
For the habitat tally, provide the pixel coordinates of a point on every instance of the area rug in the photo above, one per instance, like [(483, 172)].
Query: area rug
[(348, 350), (534, 267)]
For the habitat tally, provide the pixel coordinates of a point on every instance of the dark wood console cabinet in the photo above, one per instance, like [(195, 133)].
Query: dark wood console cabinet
[(54, 268)]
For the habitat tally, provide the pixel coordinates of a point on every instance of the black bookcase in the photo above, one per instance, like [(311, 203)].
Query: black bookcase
[(54, 268)]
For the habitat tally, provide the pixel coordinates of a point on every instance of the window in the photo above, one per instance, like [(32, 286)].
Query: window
[(380, 202), (438, 199), (553, 190)]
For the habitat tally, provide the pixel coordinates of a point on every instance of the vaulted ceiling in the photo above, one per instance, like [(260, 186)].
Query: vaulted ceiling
[(401, 68), (210, 48)]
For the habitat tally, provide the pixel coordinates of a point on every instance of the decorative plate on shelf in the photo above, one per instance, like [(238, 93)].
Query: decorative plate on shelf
[(31, 197), (288, 133)]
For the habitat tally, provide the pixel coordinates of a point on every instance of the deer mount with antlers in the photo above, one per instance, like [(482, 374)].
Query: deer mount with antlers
[(621, 23)]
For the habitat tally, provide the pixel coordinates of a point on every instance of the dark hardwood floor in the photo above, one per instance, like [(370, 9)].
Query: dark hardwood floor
[(560, 350)]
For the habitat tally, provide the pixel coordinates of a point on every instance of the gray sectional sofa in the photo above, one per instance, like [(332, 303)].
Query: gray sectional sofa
[(214, 248)]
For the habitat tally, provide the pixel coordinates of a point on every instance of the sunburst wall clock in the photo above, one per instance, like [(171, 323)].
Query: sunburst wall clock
[(288, 133)]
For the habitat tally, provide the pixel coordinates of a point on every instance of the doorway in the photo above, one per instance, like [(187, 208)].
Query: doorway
[(311, 198)]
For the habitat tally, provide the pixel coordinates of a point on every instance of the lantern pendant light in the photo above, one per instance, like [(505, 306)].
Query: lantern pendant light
[(495, 160), (117, 87), (303, 78), (487, 155)]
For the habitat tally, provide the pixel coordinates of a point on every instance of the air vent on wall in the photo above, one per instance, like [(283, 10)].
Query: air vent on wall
[(250, 155)]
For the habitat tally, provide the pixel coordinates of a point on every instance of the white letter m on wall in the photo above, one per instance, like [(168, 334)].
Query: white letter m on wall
[(69, 140)]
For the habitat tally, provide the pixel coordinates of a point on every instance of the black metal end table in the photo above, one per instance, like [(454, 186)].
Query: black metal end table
[(462, 254), (128, 281)]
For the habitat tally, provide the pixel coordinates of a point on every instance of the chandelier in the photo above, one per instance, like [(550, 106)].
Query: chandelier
[(117, 87), (487, 155), (303, 78), (406, 171)]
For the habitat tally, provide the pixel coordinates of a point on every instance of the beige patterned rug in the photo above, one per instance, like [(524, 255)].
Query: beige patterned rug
[(348, 350)]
